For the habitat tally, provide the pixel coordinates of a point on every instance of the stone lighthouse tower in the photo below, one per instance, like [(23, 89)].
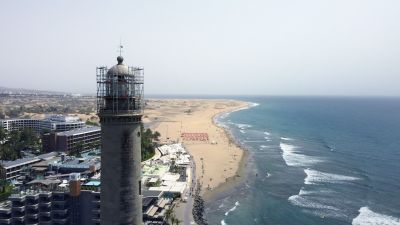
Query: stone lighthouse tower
[(120, 108)]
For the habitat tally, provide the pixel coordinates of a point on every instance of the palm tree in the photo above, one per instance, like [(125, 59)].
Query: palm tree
[(173, 219), (3, 134), (168, 214)]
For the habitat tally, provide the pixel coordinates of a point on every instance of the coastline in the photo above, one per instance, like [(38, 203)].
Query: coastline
[(231, 183), (238, 179), (220, 161)]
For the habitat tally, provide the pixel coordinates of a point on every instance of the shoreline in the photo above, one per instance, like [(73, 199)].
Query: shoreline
[(238, 179), (220, 160)]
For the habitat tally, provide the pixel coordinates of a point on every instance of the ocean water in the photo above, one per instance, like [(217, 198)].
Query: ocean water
[(315, 161)]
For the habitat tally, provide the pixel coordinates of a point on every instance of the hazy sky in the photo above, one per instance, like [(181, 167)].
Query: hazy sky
[(281, 47)]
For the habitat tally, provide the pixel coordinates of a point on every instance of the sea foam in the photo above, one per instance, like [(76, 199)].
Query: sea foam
[(368, 217), (287, 139), (232, 209), (250, 105), (242, 125), (304, 202), (315, 177), (293, 158)]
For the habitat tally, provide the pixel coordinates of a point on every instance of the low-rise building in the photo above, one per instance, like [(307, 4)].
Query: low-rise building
[(87, 163), (72, 140), (10, 170)]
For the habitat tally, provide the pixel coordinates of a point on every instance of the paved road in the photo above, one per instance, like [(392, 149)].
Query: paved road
[(188, 217)]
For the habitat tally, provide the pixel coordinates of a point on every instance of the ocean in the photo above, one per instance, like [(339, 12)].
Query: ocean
[(314, 160)]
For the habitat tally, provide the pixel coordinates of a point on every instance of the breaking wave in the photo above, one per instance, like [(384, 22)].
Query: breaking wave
[(368, 217), (315, 177), (287, 139), (232, 209), (242, 125), (293, 158), (304, 202)]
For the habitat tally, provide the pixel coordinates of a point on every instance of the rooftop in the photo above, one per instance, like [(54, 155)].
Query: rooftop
[(19, 162), (95, 183), (61, 118), (84, 162), (27, 160), (79, 131)]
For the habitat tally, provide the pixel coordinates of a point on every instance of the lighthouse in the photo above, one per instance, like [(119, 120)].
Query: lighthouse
[(120, 109)]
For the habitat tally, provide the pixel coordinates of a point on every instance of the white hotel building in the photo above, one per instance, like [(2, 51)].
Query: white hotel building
[(55, 123)]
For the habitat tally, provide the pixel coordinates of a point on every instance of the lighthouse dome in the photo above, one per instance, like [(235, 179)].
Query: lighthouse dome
[(119, 69)]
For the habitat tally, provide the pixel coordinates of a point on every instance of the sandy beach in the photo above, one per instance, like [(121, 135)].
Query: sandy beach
[(218, 159)]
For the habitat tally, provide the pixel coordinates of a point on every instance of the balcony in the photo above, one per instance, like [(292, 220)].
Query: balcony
[(33, 197), (96, 213), (32, 216), (96, 210), (96, 202), (59, 203), (45, 214), (15, 222), (59, 197), (5, 221), (32, 201), (17, 214), (96, 220), (60, 221), (45, 204), (45, 221), (31, 211), (18, 219), (32, 207), (5, 213), (17, 198), (44, 218), (18, 208), (60, 211), (45, 196), (31, 221)]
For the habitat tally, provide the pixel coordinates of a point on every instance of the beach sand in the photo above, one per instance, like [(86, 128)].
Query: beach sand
[(219, 160)]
